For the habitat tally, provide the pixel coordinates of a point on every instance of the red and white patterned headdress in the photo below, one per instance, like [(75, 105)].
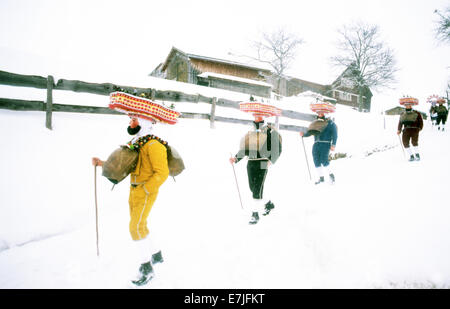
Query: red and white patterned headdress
[(142, 108), (408, 101), (433, 98), (259, 109), (322, 107), (441, 100)]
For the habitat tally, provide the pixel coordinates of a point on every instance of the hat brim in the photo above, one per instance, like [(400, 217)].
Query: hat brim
[(324, 108), (259, 109), (409, 101), (142, 108)]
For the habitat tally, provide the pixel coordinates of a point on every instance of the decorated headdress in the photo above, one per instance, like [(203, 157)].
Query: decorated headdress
[(441, 100), (259, 109), (433, 98), (408, 101), (142, 108), (321, 106)]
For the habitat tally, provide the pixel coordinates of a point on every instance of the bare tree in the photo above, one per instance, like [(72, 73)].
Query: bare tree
[(371, 64), (448, 94), (442, 30), (278, 49)]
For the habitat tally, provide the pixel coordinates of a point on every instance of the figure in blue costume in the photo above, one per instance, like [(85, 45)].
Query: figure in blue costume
[(325, 138)]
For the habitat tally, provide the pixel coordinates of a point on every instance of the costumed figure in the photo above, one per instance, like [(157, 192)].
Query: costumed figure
[(433, 109), (325, 135), (412, 123), (442, 113), (262, 146), (145, 158), (433, 113)]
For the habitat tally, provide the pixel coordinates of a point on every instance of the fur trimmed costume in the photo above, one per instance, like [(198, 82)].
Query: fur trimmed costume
[(323, 140), (410, 124), (261, 145), (151, 172), (259, 150)]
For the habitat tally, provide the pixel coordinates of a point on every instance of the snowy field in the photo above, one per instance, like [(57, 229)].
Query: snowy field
[(384, 224)]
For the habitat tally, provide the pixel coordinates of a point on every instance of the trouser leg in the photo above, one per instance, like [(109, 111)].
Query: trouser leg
[(257, 172), (415, 138), (321, 152), (140, 205), (405, 138)]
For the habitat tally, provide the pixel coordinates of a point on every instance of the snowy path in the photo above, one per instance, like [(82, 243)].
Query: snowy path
[(383, 224)]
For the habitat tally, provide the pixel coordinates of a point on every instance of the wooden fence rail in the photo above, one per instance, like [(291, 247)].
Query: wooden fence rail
[(12, 79), (33, 81), (41, 106)]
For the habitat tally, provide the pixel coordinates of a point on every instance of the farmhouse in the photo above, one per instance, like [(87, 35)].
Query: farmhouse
[(256, 80), (213, 72), (345, 91)]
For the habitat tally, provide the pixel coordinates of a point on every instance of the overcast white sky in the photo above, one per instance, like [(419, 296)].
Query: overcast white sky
[(97, 40)]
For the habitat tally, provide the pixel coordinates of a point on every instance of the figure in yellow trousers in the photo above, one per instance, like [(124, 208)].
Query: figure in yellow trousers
[(151, 172)]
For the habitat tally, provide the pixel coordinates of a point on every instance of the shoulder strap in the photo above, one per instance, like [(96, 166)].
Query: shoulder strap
[(144, 140)]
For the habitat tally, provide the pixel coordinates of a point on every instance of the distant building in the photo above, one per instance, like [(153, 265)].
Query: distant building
[(213, 72), (349, 93), (254, 79), (291, 86)]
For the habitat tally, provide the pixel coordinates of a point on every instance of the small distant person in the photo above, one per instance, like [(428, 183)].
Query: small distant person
[(442, 113), (433, 113), (410, 123)]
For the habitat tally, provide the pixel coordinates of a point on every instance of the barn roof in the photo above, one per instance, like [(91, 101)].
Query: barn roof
[(174, 50), (234, 78)]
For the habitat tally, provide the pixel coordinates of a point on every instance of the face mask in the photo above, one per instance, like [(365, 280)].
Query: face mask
[(258, 125), (133, 131)]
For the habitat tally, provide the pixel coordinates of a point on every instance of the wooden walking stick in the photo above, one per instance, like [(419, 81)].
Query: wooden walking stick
[(306, 159), (237, 185), (401, 145), (96, 208)]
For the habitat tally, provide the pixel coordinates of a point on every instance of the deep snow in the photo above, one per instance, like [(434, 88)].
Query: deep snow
[(383, 224)]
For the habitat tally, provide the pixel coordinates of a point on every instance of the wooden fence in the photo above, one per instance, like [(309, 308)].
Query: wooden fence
[(12, 79)]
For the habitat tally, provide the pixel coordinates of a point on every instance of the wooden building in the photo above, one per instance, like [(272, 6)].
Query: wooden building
[(213, 72), (346, 92), (255, 80), (294, 86)]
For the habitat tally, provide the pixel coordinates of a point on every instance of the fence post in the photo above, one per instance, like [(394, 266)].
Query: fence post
[(49, 103), (152, 94), (213, 113)]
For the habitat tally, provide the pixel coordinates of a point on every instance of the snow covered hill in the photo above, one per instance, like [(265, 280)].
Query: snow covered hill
[(383, 224)]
